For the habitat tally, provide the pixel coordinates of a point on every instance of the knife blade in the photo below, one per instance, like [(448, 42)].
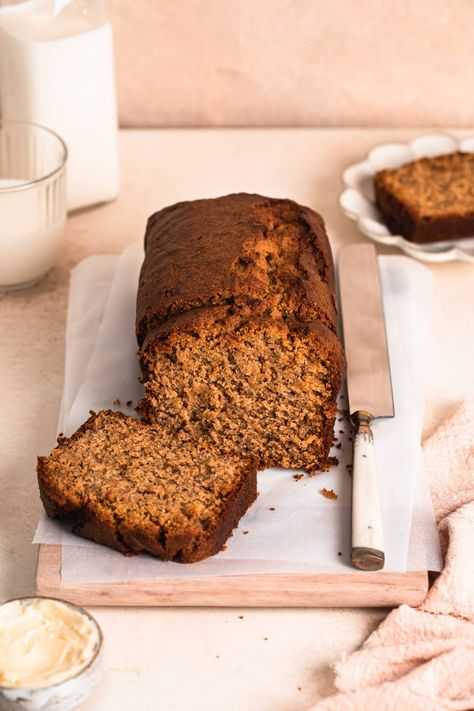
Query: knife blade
[(369, 387)]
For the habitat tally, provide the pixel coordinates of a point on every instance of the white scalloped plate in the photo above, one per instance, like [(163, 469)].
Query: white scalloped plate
[(357, 201)]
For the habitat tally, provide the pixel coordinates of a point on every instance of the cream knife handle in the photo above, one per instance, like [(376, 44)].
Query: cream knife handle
[(367, 534)]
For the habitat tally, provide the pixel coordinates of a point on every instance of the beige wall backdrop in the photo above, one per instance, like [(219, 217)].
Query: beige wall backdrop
[(294, 62)]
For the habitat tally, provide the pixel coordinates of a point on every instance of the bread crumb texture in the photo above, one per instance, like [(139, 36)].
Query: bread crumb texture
[(328, 494), (126, 485)]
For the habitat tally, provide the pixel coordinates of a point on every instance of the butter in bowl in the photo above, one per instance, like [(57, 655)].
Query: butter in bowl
[(50, 653)]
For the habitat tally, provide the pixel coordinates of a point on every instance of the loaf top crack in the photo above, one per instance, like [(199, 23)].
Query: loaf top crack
[(245, 250)]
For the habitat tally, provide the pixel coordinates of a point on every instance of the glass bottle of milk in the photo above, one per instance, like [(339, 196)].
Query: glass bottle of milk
[(57, 70)]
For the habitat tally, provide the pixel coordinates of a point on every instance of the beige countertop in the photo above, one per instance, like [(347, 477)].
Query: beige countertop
[(199, 658)]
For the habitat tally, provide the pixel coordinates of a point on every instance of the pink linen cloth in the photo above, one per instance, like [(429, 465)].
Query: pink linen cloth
[(422, 659)]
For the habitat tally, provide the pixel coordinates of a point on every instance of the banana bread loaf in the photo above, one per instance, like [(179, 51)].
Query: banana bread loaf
[(236, 323), (429, 199), (126, 485)]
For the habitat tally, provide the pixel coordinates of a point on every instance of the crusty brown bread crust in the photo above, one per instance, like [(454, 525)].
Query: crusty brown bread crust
[(236, 303), (430, 199), (215, 252), (123, 484)]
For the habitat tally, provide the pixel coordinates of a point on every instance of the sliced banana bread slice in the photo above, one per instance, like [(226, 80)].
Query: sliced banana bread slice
[(129, 486), (429, 199)]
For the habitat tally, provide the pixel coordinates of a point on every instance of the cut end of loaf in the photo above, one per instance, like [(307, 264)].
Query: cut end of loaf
[(128, 486), (249, 386)]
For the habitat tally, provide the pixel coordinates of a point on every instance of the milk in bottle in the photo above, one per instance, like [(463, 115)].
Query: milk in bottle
[(56, 69)]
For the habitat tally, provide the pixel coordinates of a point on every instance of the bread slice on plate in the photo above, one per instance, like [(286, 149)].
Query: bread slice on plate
[(129, 486), (429, 199)]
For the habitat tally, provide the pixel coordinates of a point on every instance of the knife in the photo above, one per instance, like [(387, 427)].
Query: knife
[(369, 388)]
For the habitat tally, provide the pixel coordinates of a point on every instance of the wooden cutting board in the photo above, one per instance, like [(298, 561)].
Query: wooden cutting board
[(356, 589)]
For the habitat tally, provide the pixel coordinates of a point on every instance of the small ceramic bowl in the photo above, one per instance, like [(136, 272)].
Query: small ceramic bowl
[(65, 695), (357, 201)]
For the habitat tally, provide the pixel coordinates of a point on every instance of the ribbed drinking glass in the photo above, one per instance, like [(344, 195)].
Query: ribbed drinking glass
[(32, 201)]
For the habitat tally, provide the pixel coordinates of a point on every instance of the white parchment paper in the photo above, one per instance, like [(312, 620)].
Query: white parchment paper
[(291, 527), (88, 294)]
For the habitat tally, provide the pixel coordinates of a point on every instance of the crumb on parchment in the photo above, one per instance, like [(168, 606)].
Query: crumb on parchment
[(328, 493), (331, 462)]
